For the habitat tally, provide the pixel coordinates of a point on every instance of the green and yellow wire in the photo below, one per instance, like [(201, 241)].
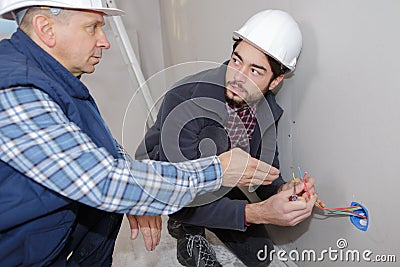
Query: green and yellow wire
[(349, 211)]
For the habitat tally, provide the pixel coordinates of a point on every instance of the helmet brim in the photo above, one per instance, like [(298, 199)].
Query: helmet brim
[(236, 34), (7, 13)]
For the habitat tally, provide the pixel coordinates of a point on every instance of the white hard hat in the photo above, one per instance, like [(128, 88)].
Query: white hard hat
[(7, 7), (275, 33)]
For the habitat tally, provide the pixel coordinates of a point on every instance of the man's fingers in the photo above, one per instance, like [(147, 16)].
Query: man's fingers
[(134, 233), (266, 168), (321, 203), (150, 227), (155, 226), (159, 227), (299, 205), (273, 171), (301, 209), (265, 173), (240, 169), (147, 237), (133, 224)]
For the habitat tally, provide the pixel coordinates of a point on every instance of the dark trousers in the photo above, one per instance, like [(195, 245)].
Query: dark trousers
[(92, 240), (252, 246)]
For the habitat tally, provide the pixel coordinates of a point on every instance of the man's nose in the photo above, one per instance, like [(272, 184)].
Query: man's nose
[(103, 41), (240, 76)]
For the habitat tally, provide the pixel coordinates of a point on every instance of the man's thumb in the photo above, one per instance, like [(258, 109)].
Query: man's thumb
[(133, 224)]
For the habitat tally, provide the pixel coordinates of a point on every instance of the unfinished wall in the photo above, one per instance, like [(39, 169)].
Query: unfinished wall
[(342, 109), (341, 106)]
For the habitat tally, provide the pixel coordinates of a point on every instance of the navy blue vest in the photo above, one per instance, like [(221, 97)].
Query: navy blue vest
[(36, 223)]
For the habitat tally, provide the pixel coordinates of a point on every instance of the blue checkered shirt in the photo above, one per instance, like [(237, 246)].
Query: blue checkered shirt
[(38, 140)]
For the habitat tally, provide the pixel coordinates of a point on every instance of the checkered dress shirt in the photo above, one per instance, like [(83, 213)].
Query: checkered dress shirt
[(241, 124), (38, 140)]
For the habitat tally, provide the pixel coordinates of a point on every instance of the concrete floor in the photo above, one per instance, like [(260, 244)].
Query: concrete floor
[(132, 253)]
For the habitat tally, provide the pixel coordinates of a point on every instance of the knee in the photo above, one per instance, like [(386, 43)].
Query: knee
[(260, 255)]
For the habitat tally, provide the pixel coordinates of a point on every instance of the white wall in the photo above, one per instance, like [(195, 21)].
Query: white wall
[(341, 106), (114, 85)]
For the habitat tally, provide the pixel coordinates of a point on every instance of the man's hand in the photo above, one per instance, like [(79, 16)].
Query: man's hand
[(279, 210), (150, 226), (240, 169), (306, 191)]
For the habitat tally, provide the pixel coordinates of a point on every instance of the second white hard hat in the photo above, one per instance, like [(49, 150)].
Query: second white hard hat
[(275, 33), (7, 7)]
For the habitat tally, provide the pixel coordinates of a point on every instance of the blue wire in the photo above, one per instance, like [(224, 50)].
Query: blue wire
[(300, 174)]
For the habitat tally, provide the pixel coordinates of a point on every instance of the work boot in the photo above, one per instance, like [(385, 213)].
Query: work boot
[(195, 251), (175, 229)]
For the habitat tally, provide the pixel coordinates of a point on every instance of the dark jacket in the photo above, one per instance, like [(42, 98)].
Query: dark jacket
[(190, 124), (37, 224)]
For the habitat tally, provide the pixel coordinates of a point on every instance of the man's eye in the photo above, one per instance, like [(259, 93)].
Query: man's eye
[(92, 28)]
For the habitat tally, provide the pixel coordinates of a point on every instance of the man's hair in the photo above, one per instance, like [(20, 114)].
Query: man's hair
[(26, 23), (276, 67)]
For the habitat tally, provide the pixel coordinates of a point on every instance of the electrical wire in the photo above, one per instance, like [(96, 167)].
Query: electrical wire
[(348, 211)]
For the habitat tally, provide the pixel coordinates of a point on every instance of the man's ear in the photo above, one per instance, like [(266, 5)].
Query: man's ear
[(276, 82), (43, 27)]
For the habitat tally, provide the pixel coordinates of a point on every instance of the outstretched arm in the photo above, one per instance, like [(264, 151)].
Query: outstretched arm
[(38, 140)]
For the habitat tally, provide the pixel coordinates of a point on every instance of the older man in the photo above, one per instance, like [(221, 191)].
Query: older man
[(64, 180)]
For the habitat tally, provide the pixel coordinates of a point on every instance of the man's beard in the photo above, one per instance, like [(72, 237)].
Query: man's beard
[(242, 102), (232, 102)]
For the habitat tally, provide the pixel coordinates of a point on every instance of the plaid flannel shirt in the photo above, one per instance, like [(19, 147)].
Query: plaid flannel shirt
[(241, 124), (38, 140)]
